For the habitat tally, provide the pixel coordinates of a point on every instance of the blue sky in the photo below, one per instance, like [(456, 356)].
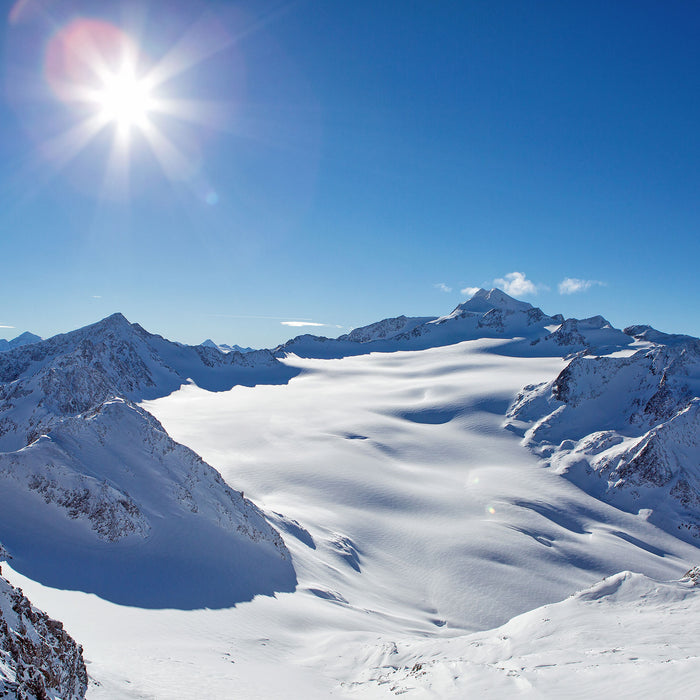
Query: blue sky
[(352, 161)]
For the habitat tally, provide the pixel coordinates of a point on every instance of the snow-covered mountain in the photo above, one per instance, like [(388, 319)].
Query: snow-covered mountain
[(222, 347), (625, 426), (488, 314), (454, 496), (38, 659), (72, 373), (82, 466), (25, 338)]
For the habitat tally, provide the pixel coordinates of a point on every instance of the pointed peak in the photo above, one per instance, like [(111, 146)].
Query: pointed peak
[(25, 338), (114, 322), (116, 317), (484, 300)]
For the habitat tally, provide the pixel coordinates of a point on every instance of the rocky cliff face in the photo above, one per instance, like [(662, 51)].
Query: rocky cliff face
[(38, 658)]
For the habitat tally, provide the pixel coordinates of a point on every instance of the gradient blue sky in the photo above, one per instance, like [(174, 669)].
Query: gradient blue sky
[(362, 160)]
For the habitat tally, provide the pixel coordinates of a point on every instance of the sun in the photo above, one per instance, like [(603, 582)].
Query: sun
[(114, 94), (124, 99), (95, 64)]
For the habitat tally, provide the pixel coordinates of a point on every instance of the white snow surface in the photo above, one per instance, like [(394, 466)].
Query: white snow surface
[(435, 554)]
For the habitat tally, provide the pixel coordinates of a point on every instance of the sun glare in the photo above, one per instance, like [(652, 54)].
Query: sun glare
[(107, 82), (124, 100)]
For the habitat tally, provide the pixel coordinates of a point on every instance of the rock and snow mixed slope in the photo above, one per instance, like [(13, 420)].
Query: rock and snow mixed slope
[(25, 338), (488, 314), (38, 659), (625, 428), (426, 537), (96, 496)]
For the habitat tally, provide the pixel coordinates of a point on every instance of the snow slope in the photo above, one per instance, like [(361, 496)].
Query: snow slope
[(95, 496), (627, 634), (433, 550), (625, 428)]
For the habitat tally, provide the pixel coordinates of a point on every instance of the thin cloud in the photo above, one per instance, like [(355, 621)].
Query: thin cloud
[(6, 326), (516, 284), (97, 296), (573, 285), (442, 287), (268, 318), (299, 324), (469, 291)]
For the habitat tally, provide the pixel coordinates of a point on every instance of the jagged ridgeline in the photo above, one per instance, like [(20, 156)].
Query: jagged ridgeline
[(95, 494), (525, 330)]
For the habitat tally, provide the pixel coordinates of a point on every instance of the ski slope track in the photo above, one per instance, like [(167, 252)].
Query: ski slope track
[(495, 502)]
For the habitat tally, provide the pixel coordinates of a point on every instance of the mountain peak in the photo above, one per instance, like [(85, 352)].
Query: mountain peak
[(484, 300), (116, 318), (115, 322)]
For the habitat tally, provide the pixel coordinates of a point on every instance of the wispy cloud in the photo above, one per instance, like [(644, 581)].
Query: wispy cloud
[(97, 296), (469, 291), (299, 324), (516, 284), (268, 318), (442, 287), (6, 326), (572, 285)]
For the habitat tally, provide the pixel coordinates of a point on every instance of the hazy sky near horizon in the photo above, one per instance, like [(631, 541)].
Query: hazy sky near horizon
[(314, 166)]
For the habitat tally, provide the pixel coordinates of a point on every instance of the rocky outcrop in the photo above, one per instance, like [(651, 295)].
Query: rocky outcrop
[(38, 658), (629, 427)]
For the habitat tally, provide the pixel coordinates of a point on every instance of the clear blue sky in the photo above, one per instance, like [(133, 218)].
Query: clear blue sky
[(356, 160)]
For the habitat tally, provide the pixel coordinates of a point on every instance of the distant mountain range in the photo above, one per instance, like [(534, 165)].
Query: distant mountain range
[(527, 330), (222, 347)]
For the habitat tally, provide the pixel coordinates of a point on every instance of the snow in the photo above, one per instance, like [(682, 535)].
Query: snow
[(223, 347), (108, 503), (443, 535), (25, 338), (413, 518)]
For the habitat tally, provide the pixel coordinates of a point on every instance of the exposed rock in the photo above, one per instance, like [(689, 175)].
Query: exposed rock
[(38, 658), (630, 423)]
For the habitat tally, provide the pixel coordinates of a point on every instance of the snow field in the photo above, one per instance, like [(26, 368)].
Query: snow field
[(416, 522)]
